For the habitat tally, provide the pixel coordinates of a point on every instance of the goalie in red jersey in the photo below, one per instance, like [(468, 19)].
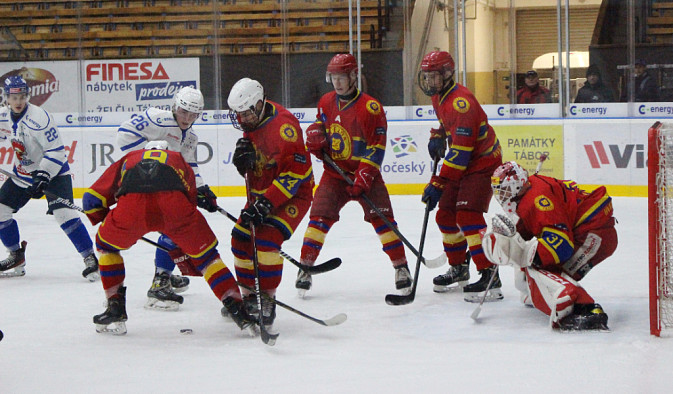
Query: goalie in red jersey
[(553, 234), (462, 189), (272, 157), (351, 128), (154, 189)]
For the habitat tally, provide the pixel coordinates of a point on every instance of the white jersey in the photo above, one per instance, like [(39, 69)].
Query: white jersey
[(36, 142), (156, 125)]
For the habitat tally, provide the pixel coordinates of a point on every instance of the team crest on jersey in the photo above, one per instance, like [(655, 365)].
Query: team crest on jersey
[(542, 203), (292, 211), (461, 105), (288, 132), (341, 142), (373, 107), (19, 149)]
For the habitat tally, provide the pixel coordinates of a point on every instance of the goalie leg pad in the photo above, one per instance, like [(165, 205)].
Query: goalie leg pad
[(555, 294)]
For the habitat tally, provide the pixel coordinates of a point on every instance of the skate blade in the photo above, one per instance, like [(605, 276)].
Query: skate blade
[(18, 271), (492, 296), (160, 305), (454, 287), (301, 293), (117, 328)]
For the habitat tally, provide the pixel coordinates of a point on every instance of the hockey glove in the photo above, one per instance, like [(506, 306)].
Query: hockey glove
[(437, 144), (256, 213), (433, 191), (316, 140), (184, 262), (206, 199), (40, 182), (364, 177), (244, 156)]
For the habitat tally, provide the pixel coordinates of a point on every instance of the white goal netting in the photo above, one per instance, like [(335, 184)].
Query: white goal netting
[(660, 208)]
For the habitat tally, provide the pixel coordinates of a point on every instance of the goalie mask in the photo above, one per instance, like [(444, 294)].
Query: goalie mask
[(187, 106), (509, 182), (437, 70), (246, 104)]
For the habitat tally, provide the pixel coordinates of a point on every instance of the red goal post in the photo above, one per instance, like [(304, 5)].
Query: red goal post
[(660, 224)]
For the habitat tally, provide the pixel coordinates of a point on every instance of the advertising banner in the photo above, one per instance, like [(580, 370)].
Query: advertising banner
[(104, 86), (526, 143)]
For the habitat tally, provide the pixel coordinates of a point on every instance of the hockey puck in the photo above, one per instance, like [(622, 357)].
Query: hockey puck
[(186, 331), (1, 335)]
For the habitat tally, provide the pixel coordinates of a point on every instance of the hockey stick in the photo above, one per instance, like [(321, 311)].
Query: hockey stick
[(316, 269), (398, 299), (267, 338), (333, 321), (477, 310), (67, 203), (434, 263)]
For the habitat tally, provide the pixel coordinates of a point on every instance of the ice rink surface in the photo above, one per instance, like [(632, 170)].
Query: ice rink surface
[(431, 345)]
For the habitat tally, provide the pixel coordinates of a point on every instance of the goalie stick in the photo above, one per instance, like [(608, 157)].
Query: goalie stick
[(329, 265), (434, 263), (477, 310), (398, 299)]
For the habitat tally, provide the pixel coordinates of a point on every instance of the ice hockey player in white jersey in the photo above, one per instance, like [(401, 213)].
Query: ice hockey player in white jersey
[(40, 165), (175, 127)]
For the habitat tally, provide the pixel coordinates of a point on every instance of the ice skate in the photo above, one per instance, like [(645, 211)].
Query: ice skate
[(454, 279), (161, 296), (15, 263), (475, 291), (112, 321), (268, 313), (303, 283), (236, 310), (179, 283), (584, 317), (91, 271), (403, 279)]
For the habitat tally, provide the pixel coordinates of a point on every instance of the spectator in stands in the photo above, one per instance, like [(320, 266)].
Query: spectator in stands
[(646, 88), (594, 90), (532, 92)]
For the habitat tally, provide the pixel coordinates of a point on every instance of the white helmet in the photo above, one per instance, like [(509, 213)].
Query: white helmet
[(507, 182), (162, 145), (245, 94), (189, 99)]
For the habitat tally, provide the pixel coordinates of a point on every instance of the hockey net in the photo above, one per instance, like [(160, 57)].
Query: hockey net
[(660, 217)]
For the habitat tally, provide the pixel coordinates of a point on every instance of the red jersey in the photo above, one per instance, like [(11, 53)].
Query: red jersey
[(473, 144), (172, 173), (557, 212), (283, 167), (356, 131)]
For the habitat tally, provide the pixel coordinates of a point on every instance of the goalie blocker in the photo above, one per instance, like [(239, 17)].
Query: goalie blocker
[(561, 233)]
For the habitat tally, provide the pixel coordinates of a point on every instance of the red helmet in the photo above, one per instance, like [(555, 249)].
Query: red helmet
[(342, 63), (438, 61)]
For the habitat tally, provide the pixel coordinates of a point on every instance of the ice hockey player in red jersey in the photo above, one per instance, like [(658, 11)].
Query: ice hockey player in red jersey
[(272, 157), (462, 189), (553, 233), (350, 128), (154, 190)]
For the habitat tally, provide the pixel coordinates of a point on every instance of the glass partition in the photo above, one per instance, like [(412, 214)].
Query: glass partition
[(126, 55)]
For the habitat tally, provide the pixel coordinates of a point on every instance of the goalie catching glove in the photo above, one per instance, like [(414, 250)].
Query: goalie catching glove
[(505, 246)]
